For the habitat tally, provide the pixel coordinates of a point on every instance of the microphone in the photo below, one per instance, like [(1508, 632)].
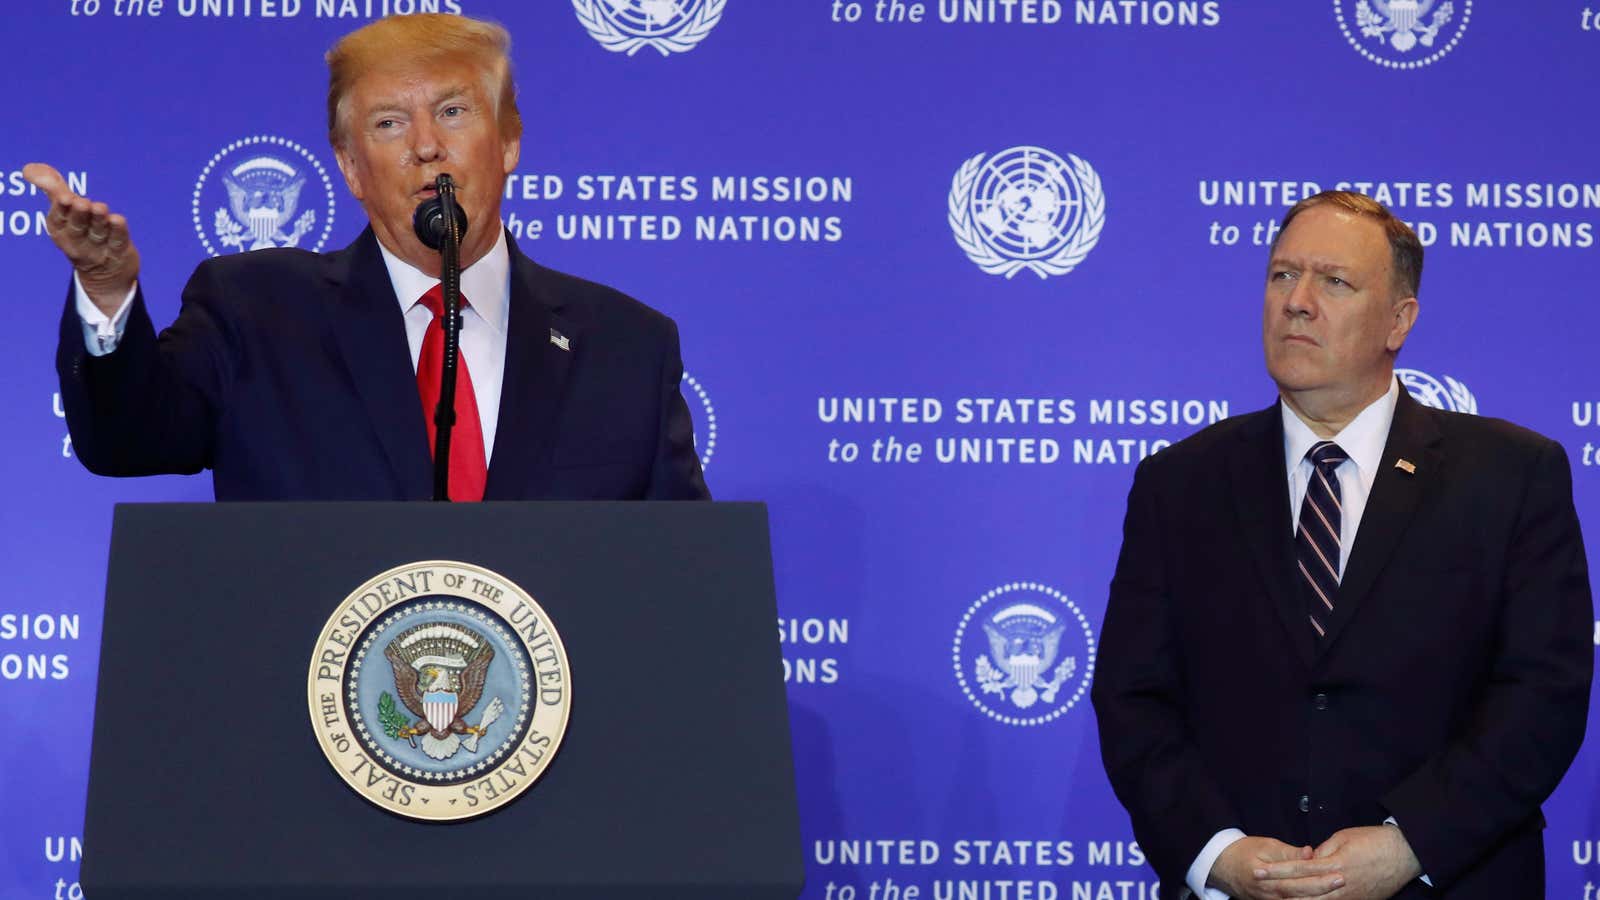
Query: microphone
[(429, 223), (439, 223)]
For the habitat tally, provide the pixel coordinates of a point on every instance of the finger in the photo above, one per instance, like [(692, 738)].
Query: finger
[(99, 226), (117, 225), (1317, 886), (1278, 851), (79, 212), (1298, 868)]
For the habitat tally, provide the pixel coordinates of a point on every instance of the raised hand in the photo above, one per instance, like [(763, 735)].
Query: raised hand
[(93, 238)]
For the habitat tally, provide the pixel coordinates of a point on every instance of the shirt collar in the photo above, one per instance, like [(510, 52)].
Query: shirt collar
[(486, 283), (1362, 440)]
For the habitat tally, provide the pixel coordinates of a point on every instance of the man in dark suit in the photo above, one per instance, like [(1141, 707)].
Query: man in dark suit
[(288, 373), (1346, 651)]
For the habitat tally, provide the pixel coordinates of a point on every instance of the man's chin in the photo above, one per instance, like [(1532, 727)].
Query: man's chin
[(1294, 379)]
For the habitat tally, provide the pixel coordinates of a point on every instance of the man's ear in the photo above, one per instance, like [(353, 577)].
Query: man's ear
[(348, 168), (511, 153), (1405, 316)]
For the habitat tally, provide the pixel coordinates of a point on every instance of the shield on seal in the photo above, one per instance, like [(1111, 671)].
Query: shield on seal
[(1024, 667), (440, 707), (1404, 14)]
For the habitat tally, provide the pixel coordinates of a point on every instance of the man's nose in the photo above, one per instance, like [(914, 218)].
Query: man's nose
[(427, 143), (1300, 300)]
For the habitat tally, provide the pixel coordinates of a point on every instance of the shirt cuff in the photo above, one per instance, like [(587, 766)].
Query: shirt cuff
[(1201, 869), (1391, 821), (101, 333)]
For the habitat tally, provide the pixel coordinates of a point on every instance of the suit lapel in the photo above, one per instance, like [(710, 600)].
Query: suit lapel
[(535, 380), (371, 334), (1413, 437), (1260, 493)]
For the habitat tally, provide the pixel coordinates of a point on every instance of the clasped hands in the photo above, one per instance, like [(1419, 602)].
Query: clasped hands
[(1367, 863)]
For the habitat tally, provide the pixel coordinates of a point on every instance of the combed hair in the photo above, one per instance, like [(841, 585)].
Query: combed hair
[(1404, 247), (418, 40)]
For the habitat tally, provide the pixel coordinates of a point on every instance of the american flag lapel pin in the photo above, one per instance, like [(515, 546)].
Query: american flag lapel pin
[(1405, 466), (560, 340)]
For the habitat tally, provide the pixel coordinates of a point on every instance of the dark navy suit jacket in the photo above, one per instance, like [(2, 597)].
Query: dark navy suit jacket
[(287, 373), (1451, 691)]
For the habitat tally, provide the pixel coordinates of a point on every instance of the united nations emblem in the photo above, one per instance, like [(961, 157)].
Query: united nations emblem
[(1026, 208), (260, 204), (1449, 394), (705, 426), (669, 26), (1401, 33), (1024, 654), (439, 690)]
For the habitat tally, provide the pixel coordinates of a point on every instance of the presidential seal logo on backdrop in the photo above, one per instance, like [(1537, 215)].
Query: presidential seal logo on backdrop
[(669, 26), (1448, 394), (439, 690), (259, 192), (1025, 208), (1024, 654), (1403, 34), (705, 426)]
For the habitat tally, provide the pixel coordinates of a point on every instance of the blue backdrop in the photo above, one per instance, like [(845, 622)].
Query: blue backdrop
[(944, 271)]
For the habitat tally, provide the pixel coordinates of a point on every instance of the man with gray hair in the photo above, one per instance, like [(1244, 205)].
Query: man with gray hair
[(1346, 652)]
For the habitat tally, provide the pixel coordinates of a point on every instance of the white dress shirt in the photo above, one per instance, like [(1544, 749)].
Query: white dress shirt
[(486, 284), (1362, 441)]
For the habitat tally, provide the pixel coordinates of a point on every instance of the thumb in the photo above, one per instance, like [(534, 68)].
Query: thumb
[(1278, 851), (47, 179)]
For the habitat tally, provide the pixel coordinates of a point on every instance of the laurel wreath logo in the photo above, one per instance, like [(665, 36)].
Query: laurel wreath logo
[(971, 239), (1441, 393), (1375, 20), (694, 29), (1461, 397)]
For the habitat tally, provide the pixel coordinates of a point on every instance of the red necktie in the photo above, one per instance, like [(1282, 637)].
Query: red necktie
[(468, 464)]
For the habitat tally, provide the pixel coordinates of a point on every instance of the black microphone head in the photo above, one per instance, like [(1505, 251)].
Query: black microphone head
[(428, 222)]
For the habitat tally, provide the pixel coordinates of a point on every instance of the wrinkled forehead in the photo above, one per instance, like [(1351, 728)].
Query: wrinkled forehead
[(1330, 237)]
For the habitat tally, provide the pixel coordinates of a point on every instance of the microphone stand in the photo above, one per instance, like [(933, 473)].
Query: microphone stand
[(444, 416)]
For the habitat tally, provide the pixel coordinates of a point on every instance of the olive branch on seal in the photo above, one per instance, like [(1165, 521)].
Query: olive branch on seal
[(694, 30), (390, 717)]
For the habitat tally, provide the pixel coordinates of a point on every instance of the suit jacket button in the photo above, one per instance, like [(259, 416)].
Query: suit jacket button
[(1320, 701), (1305, 803)]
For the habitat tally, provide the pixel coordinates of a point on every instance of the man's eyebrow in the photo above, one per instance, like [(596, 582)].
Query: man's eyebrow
[(450, 93), (1315, 264), (394, 104), (385, 106)]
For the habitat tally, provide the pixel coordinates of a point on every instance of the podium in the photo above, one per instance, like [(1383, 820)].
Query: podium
[(673, 779)]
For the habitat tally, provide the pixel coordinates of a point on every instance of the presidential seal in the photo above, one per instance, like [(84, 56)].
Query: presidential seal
[(1448, 394), (667, 26), (262, 192), (705, 427), (1403, 34), (1024, 654), (1025, 208), (439, 690)]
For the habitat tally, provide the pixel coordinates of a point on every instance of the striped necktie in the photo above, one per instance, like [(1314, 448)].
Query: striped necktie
[(1316, 540)]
